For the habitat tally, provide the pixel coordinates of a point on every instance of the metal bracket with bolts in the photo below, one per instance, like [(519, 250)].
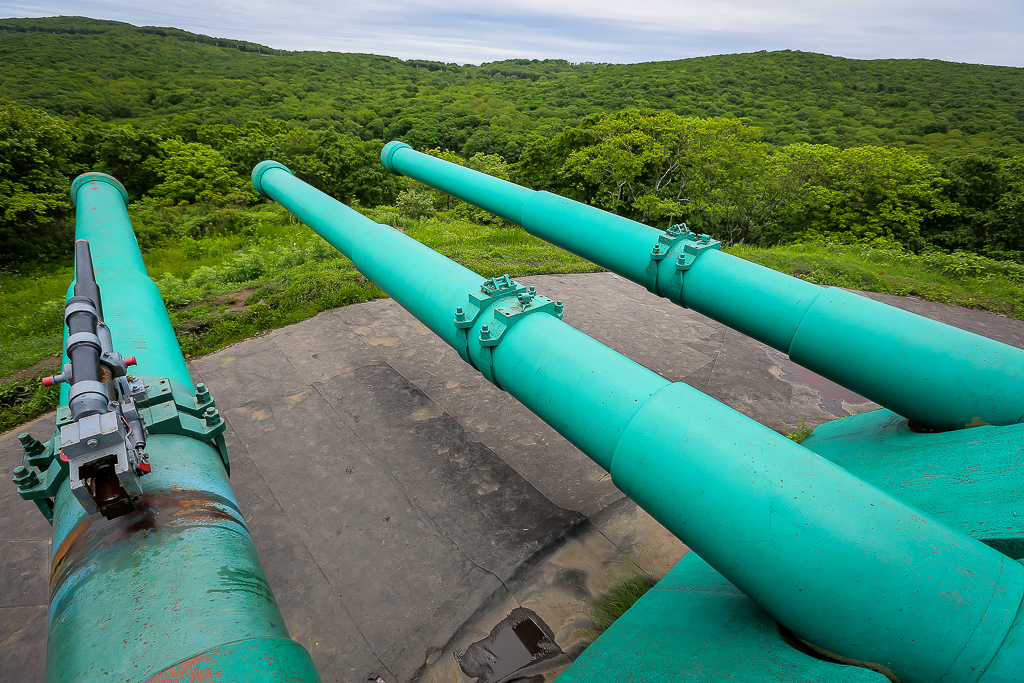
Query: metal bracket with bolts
[(686, 247), (508, 302)]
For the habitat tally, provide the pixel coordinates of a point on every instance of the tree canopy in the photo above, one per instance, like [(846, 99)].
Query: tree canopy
[(718, 176), (157, 77), (758, 148)]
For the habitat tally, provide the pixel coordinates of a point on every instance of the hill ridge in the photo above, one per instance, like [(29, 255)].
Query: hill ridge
[(162, 76)]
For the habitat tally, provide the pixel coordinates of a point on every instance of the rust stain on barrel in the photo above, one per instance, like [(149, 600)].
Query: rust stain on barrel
[(95, 537), (198, 669)]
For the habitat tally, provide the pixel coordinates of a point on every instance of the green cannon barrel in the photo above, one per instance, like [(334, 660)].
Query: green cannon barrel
[(936, 375), (174, 590), (839, 562)]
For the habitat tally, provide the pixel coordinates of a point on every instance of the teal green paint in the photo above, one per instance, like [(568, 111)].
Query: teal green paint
[(179, 576), (968, 479), (172, 408), (99, 178), (432, 288), (928, 372), (132, 305), (588, 392), (695, 625), (41, 487), (810, 542), (506, 203), (760, 302), (841, 563), (618, 244), (911, 360), (1008, 665)]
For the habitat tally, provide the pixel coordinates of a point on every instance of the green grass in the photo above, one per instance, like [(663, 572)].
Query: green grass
[(230, 273), (959, 279), (25, 398), (630, 582), (493, 250), (285, 273), (31, 332), (800, 433), (31, 316)]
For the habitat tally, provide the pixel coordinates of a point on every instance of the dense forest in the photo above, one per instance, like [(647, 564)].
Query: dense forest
[(895, 176), (119, 73), (757, 148)]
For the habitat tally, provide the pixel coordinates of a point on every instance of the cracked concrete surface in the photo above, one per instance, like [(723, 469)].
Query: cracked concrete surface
[(402, 505)]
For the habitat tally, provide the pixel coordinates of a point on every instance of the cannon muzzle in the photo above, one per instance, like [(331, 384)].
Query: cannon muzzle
[(842, 564), (166, 583), (937, 376)]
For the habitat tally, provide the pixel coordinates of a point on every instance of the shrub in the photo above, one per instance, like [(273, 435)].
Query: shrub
[(415, 204)]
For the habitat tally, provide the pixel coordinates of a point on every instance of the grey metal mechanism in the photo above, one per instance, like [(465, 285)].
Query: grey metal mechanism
[(167, 407), (104, 443)]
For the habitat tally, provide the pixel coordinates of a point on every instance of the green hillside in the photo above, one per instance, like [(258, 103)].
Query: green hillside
[(162, 76), (896, 176)]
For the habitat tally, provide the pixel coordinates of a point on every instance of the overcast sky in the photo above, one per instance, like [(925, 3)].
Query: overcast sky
[(471, 31)]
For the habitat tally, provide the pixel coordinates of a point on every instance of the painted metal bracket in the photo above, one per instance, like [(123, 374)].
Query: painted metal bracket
[(490, 291), (31, 486), (168, 408), (686, 247), (509, 302)]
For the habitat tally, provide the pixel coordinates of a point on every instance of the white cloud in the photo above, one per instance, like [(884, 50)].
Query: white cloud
[(983, 31)]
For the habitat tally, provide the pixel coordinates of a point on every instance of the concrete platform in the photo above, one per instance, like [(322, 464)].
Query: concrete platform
[(402, 506)]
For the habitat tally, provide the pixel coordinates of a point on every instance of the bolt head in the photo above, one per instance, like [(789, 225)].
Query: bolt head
[(25, 478), (92, 443)]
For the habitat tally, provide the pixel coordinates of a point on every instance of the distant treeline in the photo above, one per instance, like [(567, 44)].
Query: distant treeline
[(757, 148), (168, 79), (717, 174), (51, 26)]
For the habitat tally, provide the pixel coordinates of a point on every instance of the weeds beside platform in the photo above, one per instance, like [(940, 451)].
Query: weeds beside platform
[(228, 274)]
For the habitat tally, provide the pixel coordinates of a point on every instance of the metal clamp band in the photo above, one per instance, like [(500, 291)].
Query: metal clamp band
[(509, 302), (79, 307), (490, 291), (692, 250), (87, 386), (686, 246), (666, 241), (83, 338)]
